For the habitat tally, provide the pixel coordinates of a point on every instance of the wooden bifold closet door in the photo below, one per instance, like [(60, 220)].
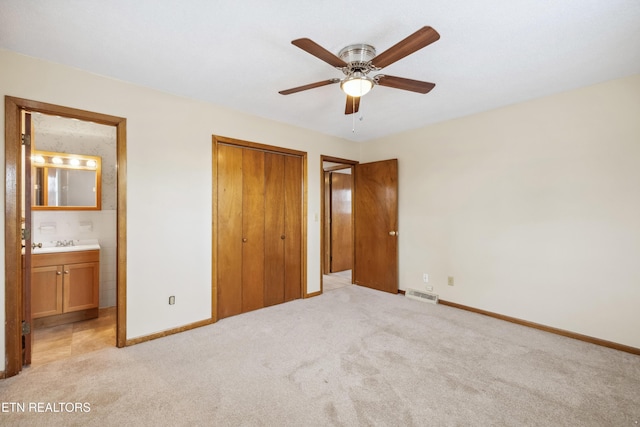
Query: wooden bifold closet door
[(259, 229)]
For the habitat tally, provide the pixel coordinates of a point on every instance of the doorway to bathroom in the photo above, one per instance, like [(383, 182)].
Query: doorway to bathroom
[(64, 232)]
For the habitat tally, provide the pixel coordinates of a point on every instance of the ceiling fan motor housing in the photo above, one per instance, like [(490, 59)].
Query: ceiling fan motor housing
[(358, 57)]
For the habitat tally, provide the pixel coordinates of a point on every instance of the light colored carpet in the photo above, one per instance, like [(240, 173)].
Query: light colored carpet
[(352, 356)]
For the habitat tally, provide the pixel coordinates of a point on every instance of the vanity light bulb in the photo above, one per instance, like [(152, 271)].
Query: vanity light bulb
[(56, 160), (74, 162), (38, 159), (91, 163)]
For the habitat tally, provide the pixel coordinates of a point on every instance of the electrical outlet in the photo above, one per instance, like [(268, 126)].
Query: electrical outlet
[(430, 288), (425, 278), (172, 300), (450, 281)]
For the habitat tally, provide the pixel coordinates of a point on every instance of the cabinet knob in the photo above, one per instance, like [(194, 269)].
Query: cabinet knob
[(66, 272), (58, 273), (282, 237), (244, 240)]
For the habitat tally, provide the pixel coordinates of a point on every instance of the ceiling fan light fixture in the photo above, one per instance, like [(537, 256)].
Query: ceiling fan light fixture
[(356, 85)]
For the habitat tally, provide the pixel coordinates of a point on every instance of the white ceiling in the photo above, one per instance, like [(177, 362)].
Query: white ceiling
[(238, 54)]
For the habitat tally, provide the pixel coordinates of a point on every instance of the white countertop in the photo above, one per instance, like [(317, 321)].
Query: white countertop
[(78, 245)]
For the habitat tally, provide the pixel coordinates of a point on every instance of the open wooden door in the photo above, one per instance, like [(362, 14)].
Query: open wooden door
[(27, 321), (376, 225), (341, 250)]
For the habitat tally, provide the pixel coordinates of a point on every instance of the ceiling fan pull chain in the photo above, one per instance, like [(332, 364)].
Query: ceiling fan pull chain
[(353, 116)]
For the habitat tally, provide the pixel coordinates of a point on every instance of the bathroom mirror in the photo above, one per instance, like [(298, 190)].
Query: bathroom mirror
[(63, 181)]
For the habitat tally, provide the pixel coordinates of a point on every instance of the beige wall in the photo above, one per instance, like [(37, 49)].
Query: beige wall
[(533, 208), (168, 183)]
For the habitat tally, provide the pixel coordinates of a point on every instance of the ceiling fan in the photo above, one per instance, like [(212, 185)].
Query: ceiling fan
[(358, 60)]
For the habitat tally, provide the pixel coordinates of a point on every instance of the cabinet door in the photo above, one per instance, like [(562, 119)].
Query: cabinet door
[(81, 284), (46, 291)]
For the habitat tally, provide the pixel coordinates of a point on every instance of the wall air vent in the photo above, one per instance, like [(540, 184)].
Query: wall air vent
[(421, 296)]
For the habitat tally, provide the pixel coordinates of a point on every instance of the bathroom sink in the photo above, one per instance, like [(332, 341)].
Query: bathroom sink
[(78, 245)]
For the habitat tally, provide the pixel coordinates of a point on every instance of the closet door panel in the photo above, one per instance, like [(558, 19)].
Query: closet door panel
[(293, 228), (274, 229), (229, 237), (253, 230)]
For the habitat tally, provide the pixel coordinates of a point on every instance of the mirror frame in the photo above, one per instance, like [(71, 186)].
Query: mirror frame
[(65, 165)]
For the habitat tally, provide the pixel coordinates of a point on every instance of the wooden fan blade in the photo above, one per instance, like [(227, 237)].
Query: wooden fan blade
[(309, 86), (416, 41), (319, 52), (405, 84), (353, 104)]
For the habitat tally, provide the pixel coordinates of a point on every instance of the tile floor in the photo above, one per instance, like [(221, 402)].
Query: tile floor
[(61, 342), (336, 280)]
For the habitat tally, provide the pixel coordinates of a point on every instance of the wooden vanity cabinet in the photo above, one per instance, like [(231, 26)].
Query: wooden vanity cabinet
[(46, 291), (65, 282)]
